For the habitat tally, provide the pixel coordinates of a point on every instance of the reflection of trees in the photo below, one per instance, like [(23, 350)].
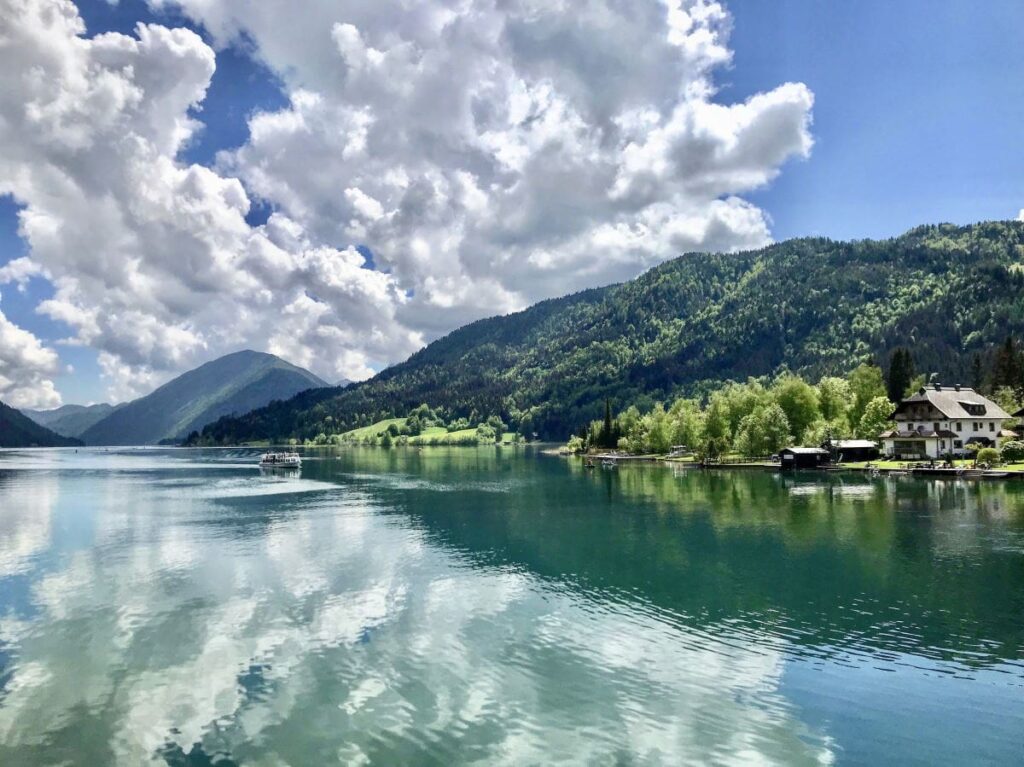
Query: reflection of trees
[(327, 632), (204, 609), (835, 559)]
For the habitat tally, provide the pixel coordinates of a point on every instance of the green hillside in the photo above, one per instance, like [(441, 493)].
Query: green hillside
[(18, 430), (71, 420), (814, 306), (236, 383)]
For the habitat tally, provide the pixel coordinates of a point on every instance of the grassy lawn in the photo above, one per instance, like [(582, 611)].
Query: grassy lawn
[(434, 432), (427, 434), (463, 433), (875, 464), (439, 433), (373, 429), (444, 436), (897, 464)]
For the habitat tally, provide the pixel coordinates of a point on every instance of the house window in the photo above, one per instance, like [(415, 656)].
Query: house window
[(958, 443), (959, 426), (943, 444), (936, 425), (991, 426), (977, 426)]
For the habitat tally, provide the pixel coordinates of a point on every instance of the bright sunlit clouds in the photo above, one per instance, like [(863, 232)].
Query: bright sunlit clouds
[(487, 155)]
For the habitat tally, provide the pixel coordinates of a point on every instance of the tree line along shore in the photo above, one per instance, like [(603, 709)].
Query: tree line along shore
[(738, 421), (759, 417)]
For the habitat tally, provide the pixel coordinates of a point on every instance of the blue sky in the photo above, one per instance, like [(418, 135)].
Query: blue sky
[(918, 110), (917, 118)]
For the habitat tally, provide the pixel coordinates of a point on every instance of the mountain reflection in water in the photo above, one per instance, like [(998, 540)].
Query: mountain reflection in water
[(495, 605)]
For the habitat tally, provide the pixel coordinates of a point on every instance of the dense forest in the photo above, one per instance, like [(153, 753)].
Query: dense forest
[(18, 430), (815, 307)]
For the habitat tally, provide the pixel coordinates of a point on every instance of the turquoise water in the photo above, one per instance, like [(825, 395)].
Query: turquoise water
[(451, 606)]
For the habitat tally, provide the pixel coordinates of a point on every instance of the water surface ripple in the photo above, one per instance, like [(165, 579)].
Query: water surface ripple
[(496, 606)]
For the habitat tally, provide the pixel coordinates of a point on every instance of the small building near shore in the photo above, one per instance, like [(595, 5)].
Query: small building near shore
[(852, 449), (803, 458)]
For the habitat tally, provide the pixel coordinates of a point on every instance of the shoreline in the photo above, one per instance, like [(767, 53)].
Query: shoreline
[(962, 472)]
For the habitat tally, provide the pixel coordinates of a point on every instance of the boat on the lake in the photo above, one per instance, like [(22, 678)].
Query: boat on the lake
[(274, 460)]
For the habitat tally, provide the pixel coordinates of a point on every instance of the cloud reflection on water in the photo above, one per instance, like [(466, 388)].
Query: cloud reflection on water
[(307, 627)]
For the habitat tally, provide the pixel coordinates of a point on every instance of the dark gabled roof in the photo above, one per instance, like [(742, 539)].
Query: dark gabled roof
[(804, 450), (952, 402)]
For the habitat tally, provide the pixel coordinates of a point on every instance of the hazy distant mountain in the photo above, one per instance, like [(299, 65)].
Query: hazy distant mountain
[(236, 383), (18, 430), (71, 420)]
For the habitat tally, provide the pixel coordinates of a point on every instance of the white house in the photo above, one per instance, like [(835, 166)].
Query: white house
[(944, 419)]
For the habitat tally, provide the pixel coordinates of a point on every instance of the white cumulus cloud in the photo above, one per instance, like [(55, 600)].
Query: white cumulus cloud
[(26, 369), (153, 262), (495, 153), (489, 154)]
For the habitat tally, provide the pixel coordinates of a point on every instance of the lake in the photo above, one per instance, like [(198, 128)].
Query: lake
[(499, 606)]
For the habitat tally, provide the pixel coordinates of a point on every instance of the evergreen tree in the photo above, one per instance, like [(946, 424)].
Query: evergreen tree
[(607, 437), (1006, 368), (526, 427), (977, 373), (901, 373)]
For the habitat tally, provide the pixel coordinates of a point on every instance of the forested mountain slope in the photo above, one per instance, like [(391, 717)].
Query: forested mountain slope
[(18, 430), (815, 306), (235, 383), (71, 420)]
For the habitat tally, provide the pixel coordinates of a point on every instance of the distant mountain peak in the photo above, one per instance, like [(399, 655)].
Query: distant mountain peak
[(18, 430), (233, 384), (71, 420)]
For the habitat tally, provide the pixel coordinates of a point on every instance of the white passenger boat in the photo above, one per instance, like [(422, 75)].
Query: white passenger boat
[(280, 461)]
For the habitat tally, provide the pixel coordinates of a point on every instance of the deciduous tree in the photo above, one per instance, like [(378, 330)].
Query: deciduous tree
[(876, 418)]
